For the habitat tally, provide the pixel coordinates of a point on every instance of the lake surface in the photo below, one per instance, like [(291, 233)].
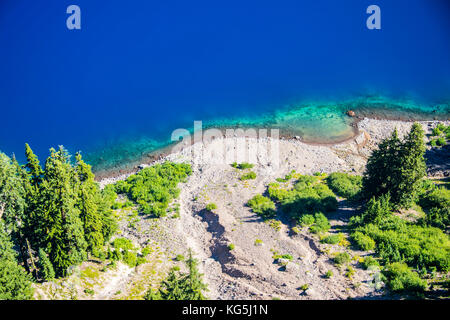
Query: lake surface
[(117, 88)]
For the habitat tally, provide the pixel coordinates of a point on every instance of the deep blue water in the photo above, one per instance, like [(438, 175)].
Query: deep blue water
[(139, 69)]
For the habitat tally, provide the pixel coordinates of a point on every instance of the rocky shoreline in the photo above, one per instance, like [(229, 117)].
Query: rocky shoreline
[(354, 151)]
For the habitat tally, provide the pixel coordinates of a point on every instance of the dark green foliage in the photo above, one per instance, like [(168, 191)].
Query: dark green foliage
[(401, 278), (262, 206), (363, 241), (400, 241), (321, 224), (89, 199), (438, 217), (46, 271), (435, 198), (153, 188), (180, 286), (63, 233), (377, 209), (345, 185), (242, 166), (397, 167), (59, 209), (306, 220), (15, 283), (307, 196), (436, 202)]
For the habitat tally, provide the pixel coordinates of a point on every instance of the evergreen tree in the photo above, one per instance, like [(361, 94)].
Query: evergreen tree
[(89, 198), (15, 283), (178, 286), (396, 168), (13, 202), (33, 166), (412, 167), (382, 167), (64, 234), (377, 209), (46, 271)]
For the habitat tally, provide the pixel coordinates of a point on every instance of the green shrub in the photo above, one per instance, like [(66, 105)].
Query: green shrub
[(304, 287), (211, 206), (400, 241), (350, 272), (153, 188), (345, 185), (321, 224), (231, 246), (123, 243), (332, 239), (179, 257), (262, 206), (245, 165), (46, 271), (308, 199), (436, 198), (363, 241), (441, 142), (342, 258), (258, 242), (248, 176), (369, 262), (129, 258), (399, 277), (329, 274), (436, 132), (276, 192), (306, 220)]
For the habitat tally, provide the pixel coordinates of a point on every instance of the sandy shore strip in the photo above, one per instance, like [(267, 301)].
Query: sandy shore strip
[(350, 155)]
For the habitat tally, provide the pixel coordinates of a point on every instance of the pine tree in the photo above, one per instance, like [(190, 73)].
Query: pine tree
[(33, 166), (46, 271), (179, 286), (13, 203), (396, 168), (64, 234), (15, 283), (382, 167), (413, 167), (89, 198)]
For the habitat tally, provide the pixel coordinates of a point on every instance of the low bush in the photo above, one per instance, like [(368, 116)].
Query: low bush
[(332, 239), (369, 262), (399, 277), (242, 166), (248, 176), (321, 224), (306, 220), (345, 185), (342, 258), (363, 241), (211, 206), (262, 206), (153, 188)]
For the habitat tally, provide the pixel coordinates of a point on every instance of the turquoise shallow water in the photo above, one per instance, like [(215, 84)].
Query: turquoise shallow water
[(314, 122)]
